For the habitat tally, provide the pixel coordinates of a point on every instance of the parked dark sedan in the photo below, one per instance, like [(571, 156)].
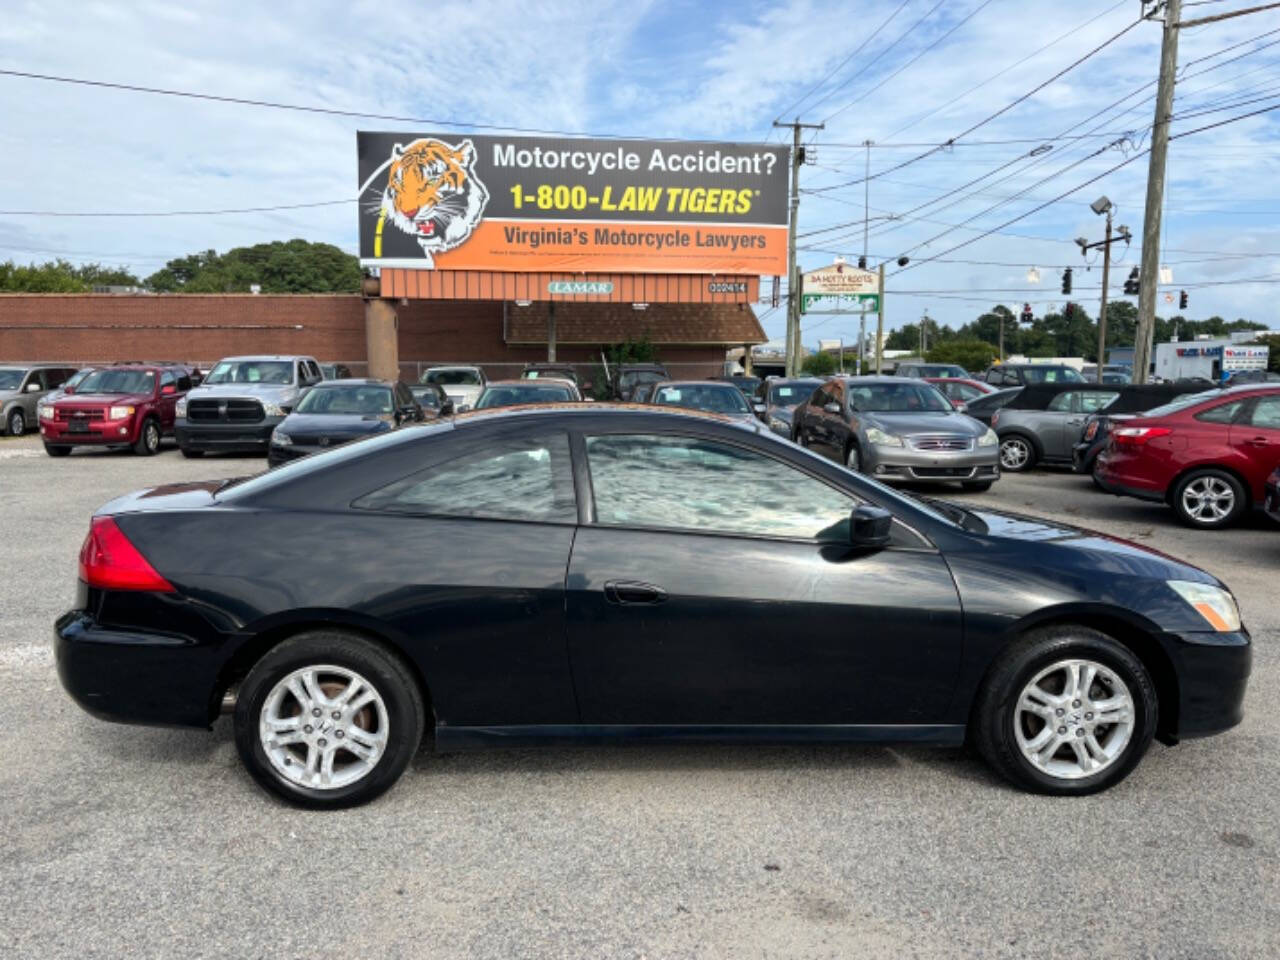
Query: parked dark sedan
[(594, 591), (335, 412), (776, 401), (710, 396)]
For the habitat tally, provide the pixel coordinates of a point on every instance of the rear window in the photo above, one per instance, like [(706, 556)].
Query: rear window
[(452, 377), (507, 396), (713, 399)]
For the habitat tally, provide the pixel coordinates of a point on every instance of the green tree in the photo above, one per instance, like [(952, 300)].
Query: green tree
[(292, 266), (60, 276), (970, 354), (819, 364)]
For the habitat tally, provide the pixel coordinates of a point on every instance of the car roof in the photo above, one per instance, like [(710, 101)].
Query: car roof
[(638, 411), (268, 356), (530, 384), (696, 383), (878, 378), (453, 366), (352, 381)]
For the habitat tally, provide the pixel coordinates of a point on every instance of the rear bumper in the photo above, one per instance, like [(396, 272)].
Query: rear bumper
[(1115, 476), (1085, 455), (99, 433), (133, 677), (226, 437), (1213, 672)]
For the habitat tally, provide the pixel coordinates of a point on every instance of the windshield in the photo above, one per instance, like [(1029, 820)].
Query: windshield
[(11, 378), (641, 376), (942, 370), (426, 396), (252, 371), (1047, 374), (709, 397), (118, 381), (553, 374), (352, 400), (1182, 402), (792, 394), (452, 377), (898, 398), (533, 393), (77, 379)]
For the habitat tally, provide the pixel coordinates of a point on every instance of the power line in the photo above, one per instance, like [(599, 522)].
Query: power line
[(172, 213)]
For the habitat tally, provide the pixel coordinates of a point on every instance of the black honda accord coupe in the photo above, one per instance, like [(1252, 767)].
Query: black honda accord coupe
[(593, 573)]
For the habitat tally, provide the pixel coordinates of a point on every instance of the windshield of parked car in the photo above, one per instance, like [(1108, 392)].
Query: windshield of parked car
[(640, 376), (703, 396), (356, 399), (897, 398), (252, 371), (11, 378), (77, 378), (746, 384), (553, 374), (1182, 402), (506, 396), (452, 377), (792, 394), (1047, 374), (118, 381), (939, 370)]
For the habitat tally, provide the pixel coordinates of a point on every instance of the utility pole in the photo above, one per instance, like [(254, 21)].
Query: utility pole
[(793, 274), (1102, 313), (1155, 193), (924, 334), (880, 326)]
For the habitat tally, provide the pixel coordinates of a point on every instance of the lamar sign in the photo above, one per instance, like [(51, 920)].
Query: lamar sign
[(839, 289), (530, 204)]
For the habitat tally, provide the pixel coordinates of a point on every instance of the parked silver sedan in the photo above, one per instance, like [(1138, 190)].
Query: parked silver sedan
[(899, 429)]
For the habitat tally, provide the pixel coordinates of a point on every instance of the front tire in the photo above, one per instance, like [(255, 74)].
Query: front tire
[(1017, 453), (1209, 499), (148, 444), (15, 425), (328, 719), (1065, 711)]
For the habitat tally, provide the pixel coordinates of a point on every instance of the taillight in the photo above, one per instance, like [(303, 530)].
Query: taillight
[(1091, 430), (1137, 436), (110, 562)]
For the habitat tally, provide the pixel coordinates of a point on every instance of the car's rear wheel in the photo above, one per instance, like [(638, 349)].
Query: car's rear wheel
[(1209, 499), (328, 719), (1017, 453), (1066, 711), (56, 451), (148, 439), (16, 424)]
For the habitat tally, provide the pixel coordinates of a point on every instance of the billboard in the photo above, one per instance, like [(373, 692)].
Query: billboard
[(839, 289), (535, 204)]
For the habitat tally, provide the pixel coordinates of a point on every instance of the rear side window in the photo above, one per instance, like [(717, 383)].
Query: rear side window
[(1223, 413), (1266, 413), (517, 478)]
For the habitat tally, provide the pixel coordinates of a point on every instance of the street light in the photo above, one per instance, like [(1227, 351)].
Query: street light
[(1033, 275), (1100, 206)]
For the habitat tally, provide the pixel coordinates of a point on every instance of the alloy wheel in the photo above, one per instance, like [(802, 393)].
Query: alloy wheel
[(323, 727), (1074, 719), (1014, 453), (1208, 500), (152, 437), (17, 424)]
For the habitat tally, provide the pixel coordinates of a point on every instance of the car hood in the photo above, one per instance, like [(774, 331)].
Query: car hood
[(262, 391), (332, 425), (909, 423), (74, 400), (461, 393)]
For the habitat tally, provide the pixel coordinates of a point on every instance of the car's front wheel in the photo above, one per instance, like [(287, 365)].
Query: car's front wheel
[(1065, 710), (1209, 499), (148, 444), (16, 424), (328, 719)]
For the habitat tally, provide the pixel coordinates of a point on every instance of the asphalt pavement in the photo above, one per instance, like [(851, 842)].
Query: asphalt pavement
[(133, 842)]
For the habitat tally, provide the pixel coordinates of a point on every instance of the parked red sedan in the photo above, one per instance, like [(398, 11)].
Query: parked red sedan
[(122, 406), (1206, 454), (960, 390)]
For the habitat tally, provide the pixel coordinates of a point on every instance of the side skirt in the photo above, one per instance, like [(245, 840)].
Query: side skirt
[(449, 738)]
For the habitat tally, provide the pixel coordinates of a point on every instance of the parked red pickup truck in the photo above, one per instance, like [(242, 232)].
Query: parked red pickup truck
[(124, 406)]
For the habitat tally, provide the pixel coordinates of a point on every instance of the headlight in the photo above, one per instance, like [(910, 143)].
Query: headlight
[(44, 411), (988, 439), (880, 438), (280, 438), (273, 409), (180, 408), (119, 413), (779, 425), (1216, 605)]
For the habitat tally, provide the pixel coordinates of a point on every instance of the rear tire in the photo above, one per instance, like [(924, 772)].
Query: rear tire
[(392, 721), (1209, 499), (1017, 453), (1022, 684), (148, 444), (56, 451)]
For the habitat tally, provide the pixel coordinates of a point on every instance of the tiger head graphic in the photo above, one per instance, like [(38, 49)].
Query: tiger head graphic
[(433, 194)]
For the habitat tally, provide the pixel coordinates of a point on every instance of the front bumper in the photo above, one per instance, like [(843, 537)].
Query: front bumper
[(1213, 672), (132, 677), (99, 433), (215, 437), (930, 466)]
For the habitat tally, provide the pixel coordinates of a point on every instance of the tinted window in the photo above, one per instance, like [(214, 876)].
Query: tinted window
[(703, 396), (1222, 413), (428, 396), (184, 382), (704, 485), (452, 377), (118, 381), (56, 378), (251, 371), (897, 397), (512, 479), (1266, 413), (1047, 374)]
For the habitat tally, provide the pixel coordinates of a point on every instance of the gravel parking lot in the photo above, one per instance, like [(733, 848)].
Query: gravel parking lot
[(128, 841)]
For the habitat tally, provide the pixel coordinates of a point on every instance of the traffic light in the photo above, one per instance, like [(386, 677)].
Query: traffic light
[(1026, 313), (1066, 281), (1133, 284), (862, 263), (1182, 301)]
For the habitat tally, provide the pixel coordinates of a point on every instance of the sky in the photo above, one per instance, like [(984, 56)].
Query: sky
[(713, 70)]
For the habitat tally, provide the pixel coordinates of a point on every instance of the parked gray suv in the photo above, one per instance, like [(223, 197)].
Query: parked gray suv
[(22, 385), (1043, 423), (241, 402)]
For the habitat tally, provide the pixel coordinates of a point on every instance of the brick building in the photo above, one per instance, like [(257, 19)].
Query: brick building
[(502, 336)]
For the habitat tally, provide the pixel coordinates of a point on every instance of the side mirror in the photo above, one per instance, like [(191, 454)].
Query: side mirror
[(34, 387), (833, 408), (869, 527), (168, 390), (446, 408)]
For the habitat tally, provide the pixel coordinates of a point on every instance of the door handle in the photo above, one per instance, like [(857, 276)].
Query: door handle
[(1259, 442), (633, 593)]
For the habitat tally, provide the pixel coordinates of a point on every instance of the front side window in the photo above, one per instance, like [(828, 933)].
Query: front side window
[(713, 399), (511, 479), (353, 400), (706, 486), (1266, 413), (251, 371), (118, 381)]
